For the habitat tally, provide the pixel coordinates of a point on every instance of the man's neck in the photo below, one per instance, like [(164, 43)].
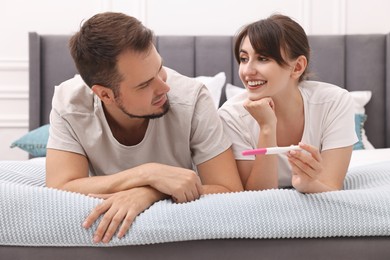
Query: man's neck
[(127, 131)]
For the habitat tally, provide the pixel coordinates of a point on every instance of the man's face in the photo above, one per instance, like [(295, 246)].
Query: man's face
[(143, 91)]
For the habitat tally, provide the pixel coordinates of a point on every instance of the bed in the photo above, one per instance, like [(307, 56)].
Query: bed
[(275, 224)]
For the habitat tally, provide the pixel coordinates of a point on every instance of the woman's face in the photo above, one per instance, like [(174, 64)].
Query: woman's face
[(262, 76)]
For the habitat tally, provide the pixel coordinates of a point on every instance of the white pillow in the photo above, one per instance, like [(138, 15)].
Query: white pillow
[(361, 98), (232, 90), (214, 85)]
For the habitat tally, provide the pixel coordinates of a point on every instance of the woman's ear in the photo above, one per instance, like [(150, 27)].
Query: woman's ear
[(105, 94), (300, 67)]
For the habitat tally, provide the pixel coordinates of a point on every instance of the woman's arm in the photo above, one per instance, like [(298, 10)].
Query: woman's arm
[(313, 171), (262, 173)]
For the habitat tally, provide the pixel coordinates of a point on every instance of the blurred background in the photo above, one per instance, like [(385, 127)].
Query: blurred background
[(164, 17)]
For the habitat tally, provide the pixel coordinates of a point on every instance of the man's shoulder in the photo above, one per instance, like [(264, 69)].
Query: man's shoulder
[(183, 90), (175, 78), (73, 95), (234, 106)]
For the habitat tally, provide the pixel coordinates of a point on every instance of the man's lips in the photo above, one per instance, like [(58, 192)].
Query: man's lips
[(160, 101)]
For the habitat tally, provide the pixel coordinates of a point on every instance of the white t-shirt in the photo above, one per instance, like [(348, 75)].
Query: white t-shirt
[(189, 134), (329, 123)]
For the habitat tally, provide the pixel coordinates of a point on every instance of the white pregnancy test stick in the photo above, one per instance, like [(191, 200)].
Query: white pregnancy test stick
[(271, 150)]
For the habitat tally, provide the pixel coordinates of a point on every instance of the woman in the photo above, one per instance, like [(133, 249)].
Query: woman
[(282, 108)]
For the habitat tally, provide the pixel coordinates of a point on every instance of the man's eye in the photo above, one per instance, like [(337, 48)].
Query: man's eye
[(143, 86)]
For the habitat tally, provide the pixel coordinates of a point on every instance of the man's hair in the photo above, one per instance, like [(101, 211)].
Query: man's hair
[(274, 35), (101, 39)]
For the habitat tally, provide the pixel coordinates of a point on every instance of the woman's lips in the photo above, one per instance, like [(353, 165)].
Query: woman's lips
[(255, 84)]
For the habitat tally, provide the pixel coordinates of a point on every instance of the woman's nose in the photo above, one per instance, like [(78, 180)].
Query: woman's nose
[(248, 69)]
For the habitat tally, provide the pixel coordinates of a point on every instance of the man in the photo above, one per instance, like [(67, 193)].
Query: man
[(131, 131)]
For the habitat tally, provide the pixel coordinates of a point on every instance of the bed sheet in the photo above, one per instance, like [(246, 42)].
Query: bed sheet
[(365, 157), (33, 215)]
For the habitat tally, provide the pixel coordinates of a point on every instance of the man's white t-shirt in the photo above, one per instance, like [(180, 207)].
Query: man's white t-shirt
[(329, 123), (189, 134)]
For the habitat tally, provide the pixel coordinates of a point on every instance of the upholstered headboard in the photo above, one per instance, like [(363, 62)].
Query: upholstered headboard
[(354, 62)]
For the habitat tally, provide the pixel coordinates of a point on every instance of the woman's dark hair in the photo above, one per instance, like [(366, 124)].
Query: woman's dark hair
[(274, 35), (101, 39)]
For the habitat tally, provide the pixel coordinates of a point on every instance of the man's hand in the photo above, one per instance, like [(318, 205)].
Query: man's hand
[(182, 184), (119, 209)]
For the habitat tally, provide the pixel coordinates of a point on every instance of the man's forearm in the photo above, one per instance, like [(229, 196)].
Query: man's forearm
[(124, 180), (211, 189)]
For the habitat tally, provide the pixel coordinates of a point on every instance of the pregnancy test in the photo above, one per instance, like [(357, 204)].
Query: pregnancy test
[(271, 150)]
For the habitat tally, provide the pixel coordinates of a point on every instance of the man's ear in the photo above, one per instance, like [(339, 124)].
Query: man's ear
[(300, 67), (105, 94)]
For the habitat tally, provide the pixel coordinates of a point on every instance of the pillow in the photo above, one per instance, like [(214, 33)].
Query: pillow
[(232, 90), (359, 124), (34, 142), (361, 98), (214, 85)]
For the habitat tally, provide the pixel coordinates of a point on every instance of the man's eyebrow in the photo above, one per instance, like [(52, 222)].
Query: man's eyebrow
[(149, 80)]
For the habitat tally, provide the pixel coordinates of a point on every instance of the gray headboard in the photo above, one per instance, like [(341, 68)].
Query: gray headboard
[(354, 62)]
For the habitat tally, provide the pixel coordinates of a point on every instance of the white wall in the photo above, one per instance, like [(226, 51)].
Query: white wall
[(165, 17)]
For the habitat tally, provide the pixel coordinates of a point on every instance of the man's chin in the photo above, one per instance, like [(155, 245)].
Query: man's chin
[(165, 109)]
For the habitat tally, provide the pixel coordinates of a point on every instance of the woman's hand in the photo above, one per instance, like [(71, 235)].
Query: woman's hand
[(306, 167), (262, 110), (313, 171)]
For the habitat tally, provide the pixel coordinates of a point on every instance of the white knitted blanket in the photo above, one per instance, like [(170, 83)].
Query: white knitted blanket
[(33, 215)]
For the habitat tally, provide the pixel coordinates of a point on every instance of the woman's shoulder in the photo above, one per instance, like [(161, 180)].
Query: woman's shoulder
[(317, 91)]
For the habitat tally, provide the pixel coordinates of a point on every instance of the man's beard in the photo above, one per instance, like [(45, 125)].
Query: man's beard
[(165, 108)]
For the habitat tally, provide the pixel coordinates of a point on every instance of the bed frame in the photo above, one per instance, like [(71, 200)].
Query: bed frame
[(355, 62)]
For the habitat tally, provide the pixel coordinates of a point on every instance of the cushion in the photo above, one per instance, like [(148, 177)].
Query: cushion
[(214, 84), (361, 98), (34, 142), (359, 124), (232, 90)]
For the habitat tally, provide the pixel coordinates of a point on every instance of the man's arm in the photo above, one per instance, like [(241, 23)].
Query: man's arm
[(69, 171), (220, 174), (126, 194)]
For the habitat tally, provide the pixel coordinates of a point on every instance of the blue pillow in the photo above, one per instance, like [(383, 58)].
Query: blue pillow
[(34, 142), (359, 124)]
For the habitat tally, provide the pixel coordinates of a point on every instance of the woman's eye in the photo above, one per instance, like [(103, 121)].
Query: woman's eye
[(263, 58), (243, 59)]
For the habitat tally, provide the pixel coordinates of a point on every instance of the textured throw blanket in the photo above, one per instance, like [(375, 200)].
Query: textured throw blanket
[(33, 215)]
